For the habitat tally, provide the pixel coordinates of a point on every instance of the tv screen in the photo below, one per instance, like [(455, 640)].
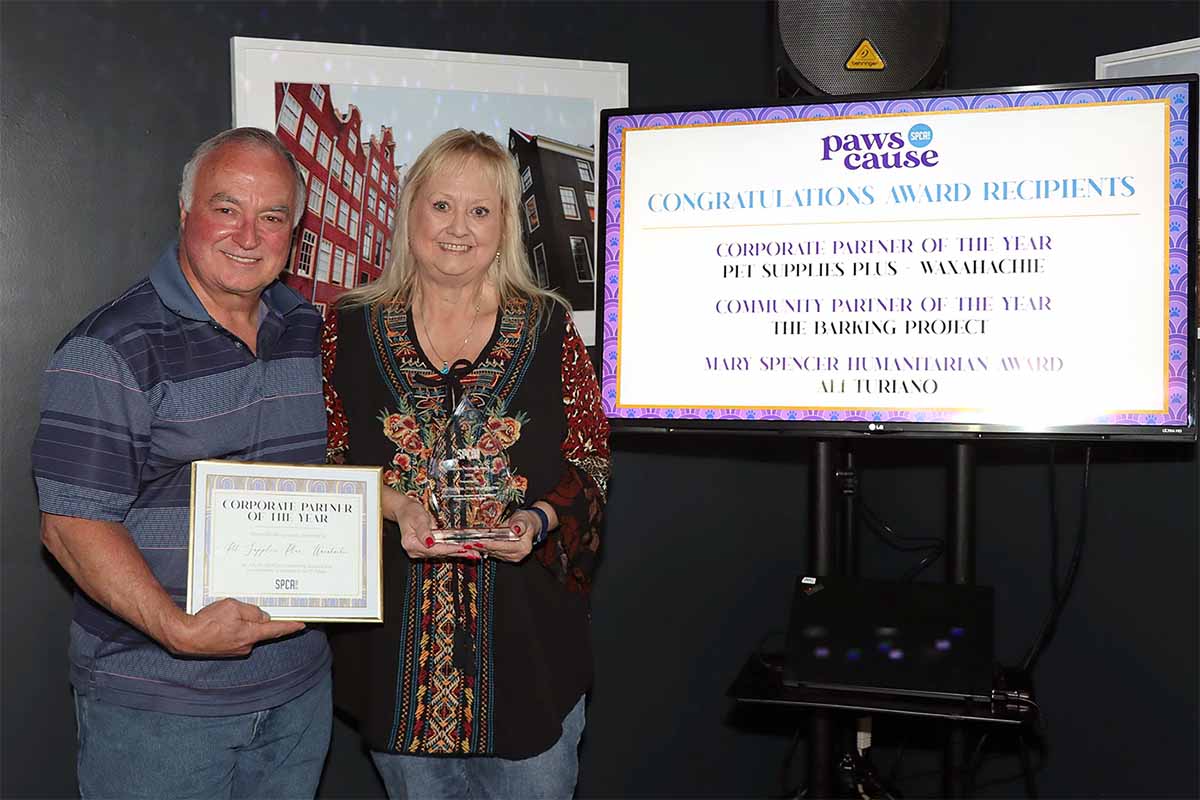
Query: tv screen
[(1009, 262)]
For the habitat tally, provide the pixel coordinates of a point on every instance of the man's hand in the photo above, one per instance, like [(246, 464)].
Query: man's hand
[(228, 627), (106, 564)]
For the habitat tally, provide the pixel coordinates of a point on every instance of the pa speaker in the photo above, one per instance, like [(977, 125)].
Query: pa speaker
[(859, 46)]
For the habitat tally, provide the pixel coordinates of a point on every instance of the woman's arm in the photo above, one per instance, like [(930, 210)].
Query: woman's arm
[(579, 498)]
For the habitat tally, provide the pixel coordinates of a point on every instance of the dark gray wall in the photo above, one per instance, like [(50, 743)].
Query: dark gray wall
[(101, 104)]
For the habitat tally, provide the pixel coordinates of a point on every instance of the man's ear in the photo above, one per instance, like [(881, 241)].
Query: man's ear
[(182, 214)]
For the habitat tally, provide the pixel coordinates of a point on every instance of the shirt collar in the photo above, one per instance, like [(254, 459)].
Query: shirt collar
[(177, 294)]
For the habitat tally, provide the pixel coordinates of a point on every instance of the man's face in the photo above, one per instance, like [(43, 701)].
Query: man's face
[(235, 239)]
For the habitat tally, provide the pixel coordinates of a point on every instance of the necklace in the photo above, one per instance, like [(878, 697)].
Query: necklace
[(445, 368)]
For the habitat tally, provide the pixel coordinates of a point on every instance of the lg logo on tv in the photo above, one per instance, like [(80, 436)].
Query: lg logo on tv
[(884, 150)]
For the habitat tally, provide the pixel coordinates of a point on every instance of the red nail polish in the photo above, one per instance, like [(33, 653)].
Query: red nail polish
[(517, 529), (429, 541)]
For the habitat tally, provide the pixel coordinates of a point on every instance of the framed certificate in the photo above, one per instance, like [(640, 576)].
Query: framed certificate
[(302, 542)]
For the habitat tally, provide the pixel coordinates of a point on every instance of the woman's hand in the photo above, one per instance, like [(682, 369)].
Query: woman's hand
[(525, 525), (416, 528)]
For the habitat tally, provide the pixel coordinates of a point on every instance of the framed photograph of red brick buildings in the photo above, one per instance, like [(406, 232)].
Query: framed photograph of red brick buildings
[(356, 116)]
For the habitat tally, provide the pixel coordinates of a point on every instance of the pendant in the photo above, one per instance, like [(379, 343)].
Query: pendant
[(445, 370)]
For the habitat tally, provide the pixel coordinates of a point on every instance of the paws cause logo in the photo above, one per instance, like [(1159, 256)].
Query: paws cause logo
[(883, 150)]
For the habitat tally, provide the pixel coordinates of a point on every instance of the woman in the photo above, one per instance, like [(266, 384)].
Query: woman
[(474, 684)]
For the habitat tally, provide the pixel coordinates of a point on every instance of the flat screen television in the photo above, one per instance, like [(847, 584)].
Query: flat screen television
[(1000, 262)]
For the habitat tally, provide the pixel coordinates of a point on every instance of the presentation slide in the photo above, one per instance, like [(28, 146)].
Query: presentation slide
[(997, 259)]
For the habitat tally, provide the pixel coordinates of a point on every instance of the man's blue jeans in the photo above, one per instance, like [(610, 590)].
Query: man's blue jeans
[(275, 753), (547, 776)]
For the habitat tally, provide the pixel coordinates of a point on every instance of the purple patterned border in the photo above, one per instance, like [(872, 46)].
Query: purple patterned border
[(1177, 284)]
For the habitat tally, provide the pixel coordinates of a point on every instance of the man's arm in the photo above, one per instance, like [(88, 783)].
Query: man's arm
[(107, 565)]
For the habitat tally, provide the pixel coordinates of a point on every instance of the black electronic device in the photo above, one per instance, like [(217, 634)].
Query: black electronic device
[(838, 47), (931, 640), (951, 264)]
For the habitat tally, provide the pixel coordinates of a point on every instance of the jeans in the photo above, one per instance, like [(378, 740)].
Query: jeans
[(547, 776), (275, 753)]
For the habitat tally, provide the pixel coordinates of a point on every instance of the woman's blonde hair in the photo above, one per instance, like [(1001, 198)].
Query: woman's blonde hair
[(510, 272)]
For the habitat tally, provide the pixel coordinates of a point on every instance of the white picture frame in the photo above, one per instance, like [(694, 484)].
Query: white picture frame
[(259, 64), (1173, 58)]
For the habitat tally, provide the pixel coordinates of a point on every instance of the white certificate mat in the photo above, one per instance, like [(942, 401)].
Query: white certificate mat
[(302, 542)]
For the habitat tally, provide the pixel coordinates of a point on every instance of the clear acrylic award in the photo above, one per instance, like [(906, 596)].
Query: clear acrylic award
[(471, 480)]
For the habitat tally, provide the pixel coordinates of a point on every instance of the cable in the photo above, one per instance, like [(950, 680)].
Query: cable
[(1023, 754), (1034, 769), (881, 528), (933, 547), (1052, 617), (786, 767), (1027, 773)]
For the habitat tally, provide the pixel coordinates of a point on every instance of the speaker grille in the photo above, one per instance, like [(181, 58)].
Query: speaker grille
[(817, 37)]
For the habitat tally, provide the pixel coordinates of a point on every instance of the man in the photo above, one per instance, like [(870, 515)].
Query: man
[(208, 357)]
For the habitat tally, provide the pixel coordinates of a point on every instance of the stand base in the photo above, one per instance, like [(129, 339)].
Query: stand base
[(474, 535)]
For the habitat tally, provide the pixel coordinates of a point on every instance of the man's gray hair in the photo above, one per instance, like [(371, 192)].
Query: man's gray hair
[(255, 137)]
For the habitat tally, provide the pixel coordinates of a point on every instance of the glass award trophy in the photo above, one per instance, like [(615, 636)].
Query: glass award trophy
[(471, 480)]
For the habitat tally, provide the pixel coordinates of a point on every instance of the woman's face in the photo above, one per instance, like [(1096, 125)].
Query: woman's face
[(454, 224)]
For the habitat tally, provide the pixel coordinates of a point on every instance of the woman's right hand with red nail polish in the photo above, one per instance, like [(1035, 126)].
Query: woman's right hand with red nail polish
[(416, 527)]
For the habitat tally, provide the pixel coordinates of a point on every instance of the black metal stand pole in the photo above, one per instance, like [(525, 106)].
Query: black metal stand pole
[(820, 726), (849, 487), (960, 568), (960, 565)]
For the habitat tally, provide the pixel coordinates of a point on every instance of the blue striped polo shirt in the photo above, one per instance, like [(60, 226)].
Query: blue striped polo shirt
[(137, 391)]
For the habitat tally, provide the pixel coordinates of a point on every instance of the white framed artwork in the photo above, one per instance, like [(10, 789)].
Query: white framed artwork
[(546, 111)]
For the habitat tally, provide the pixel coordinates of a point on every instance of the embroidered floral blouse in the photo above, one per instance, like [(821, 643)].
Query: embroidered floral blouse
[(473, 657)]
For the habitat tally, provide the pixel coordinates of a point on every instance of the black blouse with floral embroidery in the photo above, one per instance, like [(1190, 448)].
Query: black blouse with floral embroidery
[(474, 658)]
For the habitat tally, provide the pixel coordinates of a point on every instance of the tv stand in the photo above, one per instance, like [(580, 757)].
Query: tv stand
[(825, 541)]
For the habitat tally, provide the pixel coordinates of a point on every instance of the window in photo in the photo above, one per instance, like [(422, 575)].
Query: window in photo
[(304, 253), (531, 214), (582, 260), (339, 265), (539, 266), (570, 204), (585, 170), (316, 193), (324, 258), (289, 115), (323, 150), (308, 137)]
